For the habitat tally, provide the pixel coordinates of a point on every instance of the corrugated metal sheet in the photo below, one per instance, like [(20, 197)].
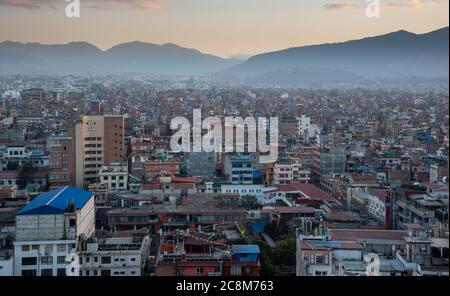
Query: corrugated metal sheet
[(56, 201)]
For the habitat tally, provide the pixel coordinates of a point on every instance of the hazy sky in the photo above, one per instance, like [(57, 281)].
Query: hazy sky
[(220, 27)]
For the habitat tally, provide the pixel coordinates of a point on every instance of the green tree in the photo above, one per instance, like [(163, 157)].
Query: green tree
[(267, 267), (285, 252), (25, 175), (250, 202)]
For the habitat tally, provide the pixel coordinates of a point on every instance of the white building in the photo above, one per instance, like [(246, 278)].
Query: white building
[(378, 205), (113, 257), (115, 176), (47, 230), (306, 130)]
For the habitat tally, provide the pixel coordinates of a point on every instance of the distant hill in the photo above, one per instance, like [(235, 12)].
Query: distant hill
[(397, 54), (85, 58)]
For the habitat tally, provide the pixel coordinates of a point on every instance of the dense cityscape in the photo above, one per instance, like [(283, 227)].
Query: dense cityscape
[(90, 186)]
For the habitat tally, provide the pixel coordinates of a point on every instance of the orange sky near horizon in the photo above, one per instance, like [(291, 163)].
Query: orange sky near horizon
[(219, 27)]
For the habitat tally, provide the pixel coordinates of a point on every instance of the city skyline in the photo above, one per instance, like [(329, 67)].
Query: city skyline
[(235, 28)]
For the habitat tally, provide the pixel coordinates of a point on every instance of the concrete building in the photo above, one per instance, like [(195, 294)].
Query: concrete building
[(200, 164), (379, 206), (254, 190), (62, 167), (114, 176), (239, 168), (329, 161), (155, 168), (118, 256), (47, 230), (306, 130), (99, 141), (287, 171)]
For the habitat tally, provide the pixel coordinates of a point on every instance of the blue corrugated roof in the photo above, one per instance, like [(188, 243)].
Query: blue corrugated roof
[(245, 249), (56, 201)]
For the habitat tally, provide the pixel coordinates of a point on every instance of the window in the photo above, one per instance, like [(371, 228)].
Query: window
[(105, 272), (29, 272), (47, 272), (106, 260), (95, 259), (235, 271), (72, 222), (26, 261), (95, 272), (199, 270), (47, 260), (61, 260), (25, 248), (61, 272)]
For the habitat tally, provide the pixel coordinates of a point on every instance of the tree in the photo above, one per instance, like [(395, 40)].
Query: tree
[(25, 175), (249, 202), (267, 267), (285, 252)]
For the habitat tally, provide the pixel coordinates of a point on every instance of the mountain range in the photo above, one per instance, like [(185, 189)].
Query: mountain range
[(397, 54), (85, 58)]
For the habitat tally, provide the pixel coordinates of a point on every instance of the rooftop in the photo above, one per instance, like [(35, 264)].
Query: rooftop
[(56, 201)]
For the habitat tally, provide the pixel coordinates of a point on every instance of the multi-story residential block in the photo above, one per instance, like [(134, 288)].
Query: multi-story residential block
[(306, 130), (238, 169), (114, 176), (20, 155), (99, 141), (200, 164), (290, 170), (116, 256), (47, 230), (329, 161), (155, 168), (379, 206), (62, 166)]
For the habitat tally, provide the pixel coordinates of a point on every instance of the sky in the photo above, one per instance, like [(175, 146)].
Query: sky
[(219, 27)]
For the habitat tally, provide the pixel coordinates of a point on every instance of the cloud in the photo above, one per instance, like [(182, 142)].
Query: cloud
[(147, 5), (392, 3), (28, 4), (409, 3), (342, 5)]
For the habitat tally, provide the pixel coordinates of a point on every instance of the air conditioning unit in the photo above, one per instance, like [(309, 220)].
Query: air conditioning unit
[(253, 215)]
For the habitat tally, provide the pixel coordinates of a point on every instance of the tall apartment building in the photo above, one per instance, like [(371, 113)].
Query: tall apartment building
[(329, 161), (99, 141), (47, 230), (61, 147)]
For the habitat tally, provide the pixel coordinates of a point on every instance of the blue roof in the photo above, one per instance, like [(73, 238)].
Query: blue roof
[(245, 249), (56, 201)]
